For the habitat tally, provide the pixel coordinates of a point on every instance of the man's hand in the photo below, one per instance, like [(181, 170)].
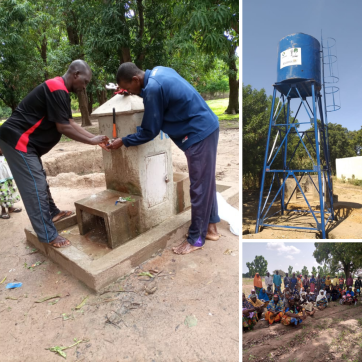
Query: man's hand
[(97, 140), (117, 143), (104, 146)]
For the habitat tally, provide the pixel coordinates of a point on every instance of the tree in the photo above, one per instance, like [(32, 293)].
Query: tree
[(259, 265), (340, 144), (297, 273), (20, 62), (211, 26), (290, 270), (314, 271), (305, 271), (345, 257), (356, 140), (320, 271), (281, 272)]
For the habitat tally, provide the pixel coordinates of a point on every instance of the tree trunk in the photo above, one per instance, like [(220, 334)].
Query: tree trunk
[(102, 96), (83, 106), (233, 107), (43, 53), (90, 103)]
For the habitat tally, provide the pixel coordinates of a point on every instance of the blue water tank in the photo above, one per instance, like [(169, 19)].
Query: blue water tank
[(299, 62)]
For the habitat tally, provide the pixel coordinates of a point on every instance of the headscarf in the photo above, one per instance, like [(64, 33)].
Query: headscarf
[(320, 296), (295, 291), (263, 295), (247, 304), (257, 303), (251, 293), (257, 281), (275, 307)]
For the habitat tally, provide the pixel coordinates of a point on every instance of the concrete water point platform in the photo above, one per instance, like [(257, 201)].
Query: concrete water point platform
[(91, 261)]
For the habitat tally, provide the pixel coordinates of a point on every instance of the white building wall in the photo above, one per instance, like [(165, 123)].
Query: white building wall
[(349, 166)]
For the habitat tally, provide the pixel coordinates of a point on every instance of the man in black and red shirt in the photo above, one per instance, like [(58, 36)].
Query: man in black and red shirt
[(33, 129)]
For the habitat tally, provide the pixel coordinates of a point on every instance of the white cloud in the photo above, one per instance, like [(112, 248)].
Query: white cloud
[(289, 257), (281, 248)]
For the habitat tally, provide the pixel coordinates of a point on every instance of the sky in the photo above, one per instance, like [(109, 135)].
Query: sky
[(265, 22), (280, 255)]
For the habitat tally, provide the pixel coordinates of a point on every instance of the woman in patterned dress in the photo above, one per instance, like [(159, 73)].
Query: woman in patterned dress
[(8, 190), (323, 283), (250, 317), (274, 311), (312, 283), (299, 283), (292, 314)]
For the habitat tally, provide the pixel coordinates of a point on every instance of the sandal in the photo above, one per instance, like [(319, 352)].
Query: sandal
[(5, 216), (63, 214), (60, 242), (16, 209)]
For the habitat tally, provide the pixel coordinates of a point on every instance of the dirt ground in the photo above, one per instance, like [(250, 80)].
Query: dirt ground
[(348, 215), (127, 323), (334, 334)]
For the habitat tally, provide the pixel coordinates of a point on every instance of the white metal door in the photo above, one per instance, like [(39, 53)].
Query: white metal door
[(156, 185)]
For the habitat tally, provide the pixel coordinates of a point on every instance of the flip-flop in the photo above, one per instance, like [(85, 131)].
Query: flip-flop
[(213, 238), (5, 216), (61, 246), (66, 214), (16, 210)]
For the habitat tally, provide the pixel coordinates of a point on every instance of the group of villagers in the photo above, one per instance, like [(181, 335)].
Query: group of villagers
[(300, 298)]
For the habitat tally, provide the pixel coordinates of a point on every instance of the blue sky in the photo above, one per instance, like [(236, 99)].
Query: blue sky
[(265, 22), (280, 255)]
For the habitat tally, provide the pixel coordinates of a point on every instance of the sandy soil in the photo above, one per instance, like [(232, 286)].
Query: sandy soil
[(334, 334), (126, 324), (348, 213)]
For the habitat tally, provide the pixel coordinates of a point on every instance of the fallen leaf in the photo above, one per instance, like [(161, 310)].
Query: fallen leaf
[(47, 298), (228, 252), (146, 274), (190, 321), (82, 304)]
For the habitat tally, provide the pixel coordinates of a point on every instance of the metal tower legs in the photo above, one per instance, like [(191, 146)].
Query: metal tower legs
[(323, 171)]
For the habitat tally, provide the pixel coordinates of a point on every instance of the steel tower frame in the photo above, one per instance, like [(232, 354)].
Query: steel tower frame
[(285, 129)]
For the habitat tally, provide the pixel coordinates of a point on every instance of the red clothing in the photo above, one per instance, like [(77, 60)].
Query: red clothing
[(257, 281), (349, 282), (32, 126)]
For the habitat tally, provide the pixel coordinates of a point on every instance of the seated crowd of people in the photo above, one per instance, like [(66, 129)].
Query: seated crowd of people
[(300, 298)]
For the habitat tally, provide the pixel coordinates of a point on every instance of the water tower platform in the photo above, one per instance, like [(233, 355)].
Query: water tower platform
[(89, 258)]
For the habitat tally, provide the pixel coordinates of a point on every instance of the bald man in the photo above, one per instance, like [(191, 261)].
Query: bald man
[(33, 129)]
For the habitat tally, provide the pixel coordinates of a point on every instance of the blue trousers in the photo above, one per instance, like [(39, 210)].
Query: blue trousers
[(201, 160), (30, 177)]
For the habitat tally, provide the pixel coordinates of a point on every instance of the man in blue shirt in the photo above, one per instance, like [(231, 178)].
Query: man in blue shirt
[(175, 107), (277, 280), (286, 280), (293, 282)]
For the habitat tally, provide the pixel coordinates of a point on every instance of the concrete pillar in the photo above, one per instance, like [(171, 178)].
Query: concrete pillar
[(290, 184)]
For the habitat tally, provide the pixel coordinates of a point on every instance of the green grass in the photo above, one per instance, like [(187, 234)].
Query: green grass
[(219, 106)]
